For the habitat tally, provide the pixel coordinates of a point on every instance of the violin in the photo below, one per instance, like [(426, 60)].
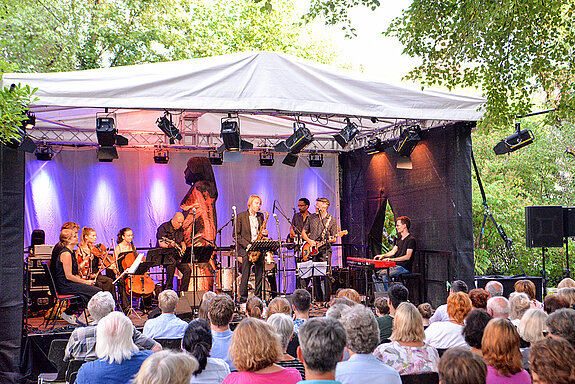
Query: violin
[(137, 285), (107, 259), (84, 261)]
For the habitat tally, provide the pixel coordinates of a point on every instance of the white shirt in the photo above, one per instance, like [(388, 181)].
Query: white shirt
[(215, 372), (254, 224), (365, 368), (445, 334), (440, 314), (165, 326)]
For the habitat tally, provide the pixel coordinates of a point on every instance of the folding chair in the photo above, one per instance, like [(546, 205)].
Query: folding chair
[(56, 357), (421, 378)]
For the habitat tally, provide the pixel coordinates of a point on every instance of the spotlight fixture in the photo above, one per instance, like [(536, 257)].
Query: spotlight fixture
[(347, 134), (517, 140), (374, 145), (294, 144), (230, 133), (22, 140), (315, 159), (108, 137), (167, 126), (161, 156), (266, 158), (30, 121), (215, 157), (407, 141), (44, 152)]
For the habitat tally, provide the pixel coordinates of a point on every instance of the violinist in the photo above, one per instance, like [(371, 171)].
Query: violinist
[(171, 235), (93, 259), (64, 267)]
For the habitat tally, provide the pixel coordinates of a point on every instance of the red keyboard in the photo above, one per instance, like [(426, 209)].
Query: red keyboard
[(376, 263)]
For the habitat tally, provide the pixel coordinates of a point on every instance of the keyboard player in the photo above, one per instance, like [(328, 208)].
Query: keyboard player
[(401, 253)]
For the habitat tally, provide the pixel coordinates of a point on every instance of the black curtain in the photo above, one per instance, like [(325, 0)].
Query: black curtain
[(11, 260)]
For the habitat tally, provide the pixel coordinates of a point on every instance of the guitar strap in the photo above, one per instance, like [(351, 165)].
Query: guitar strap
[(325, 227)]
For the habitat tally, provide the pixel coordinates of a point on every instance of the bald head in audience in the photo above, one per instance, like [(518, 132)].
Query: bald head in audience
[(495, 288), (498, 307)]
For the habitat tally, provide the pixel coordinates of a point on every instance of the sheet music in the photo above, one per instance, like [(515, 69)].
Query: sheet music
[(135, 264), (312, 268)]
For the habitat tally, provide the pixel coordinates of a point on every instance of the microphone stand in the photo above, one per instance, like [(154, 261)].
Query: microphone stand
[(219, 231), (280, 254), (193, 256), (298, 233), (235, 218)]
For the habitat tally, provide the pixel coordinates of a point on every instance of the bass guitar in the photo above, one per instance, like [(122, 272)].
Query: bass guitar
[(308, 251)]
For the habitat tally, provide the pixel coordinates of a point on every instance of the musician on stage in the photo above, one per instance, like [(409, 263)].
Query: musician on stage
[(64, 268), (401, 252), (299, 219), (321, 226), (90, 265), (125, 246), (247, 227), (171, 235)]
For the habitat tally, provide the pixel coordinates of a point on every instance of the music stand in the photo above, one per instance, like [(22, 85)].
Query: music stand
[(263, 246), (201, 254), (135, 267), (312, 269)]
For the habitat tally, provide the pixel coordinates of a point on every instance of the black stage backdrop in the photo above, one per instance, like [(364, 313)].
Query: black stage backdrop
[(11, 261), (435, 194)]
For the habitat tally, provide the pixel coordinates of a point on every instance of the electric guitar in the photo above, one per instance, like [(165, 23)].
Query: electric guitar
[(308, 251)]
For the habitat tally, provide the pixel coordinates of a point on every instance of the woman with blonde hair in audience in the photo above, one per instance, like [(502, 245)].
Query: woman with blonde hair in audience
[(519, 303), (500, 348), (448, 334), (283, 324), (255, 350), (167, 367), (528, 287), (568, 293), (279, 305), (408, 353), (255, 307), (566, 283), (531, 330)]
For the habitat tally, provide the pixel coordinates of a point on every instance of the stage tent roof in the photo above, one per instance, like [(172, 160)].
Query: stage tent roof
[(267, 86)]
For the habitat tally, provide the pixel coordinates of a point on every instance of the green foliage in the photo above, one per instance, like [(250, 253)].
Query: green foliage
[(336, 12), (13, 106), (539, 174)]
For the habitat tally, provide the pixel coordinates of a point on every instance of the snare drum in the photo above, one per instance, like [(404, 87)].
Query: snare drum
[(225, 277)]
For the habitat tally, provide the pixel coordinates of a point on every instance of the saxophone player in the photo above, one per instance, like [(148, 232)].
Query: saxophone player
[(250, 224)]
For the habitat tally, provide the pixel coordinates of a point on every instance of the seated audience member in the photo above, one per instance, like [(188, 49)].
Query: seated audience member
[(528, 287), (561, 323), (479, 298), (197, 342), (441, 311), (283, 325), (448, 334), (351, 294), (205, 305), (551, 362), (221, 312), (498, 307), (426, 311), (519, 303), (566, 283), (500, 347), (301, 303), (82, 343), (279, 305), (459, 366), (167, 325), (495, 288), (397, 295), (551, 303), (255, 307), (407, 353), (119, 359), (322, 342), (335, 311), (568, 294), (166, 367), (255, 350), (475, 324), (342, 300), (362, 339), (381, 309), (531, 329)]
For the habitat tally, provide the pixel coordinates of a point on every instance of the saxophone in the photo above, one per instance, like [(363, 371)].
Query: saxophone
[(253, 256)]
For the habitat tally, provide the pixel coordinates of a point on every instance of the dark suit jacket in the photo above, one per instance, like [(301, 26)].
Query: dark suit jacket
[(244, 230)]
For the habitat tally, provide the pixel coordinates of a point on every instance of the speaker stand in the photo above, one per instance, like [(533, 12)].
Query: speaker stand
[(543, 272), (567, 271)]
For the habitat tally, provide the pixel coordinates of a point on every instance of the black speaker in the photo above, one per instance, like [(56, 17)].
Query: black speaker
[(544, 226), (509, 281), (568, 222), (38, 237)]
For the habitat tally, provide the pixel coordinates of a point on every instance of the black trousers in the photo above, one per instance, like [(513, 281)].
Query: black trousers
[(321, 284), (106, 284), (259, 266), (186, 271), (83, 290)]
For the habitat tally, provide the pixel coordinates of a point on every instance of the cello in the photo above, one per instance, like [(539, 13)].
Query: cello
[(137, 285)]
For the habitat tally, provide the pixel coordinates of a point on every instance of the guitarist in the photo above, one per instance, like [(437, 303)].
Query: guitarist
[(247, 226), (171, 235), (321, 226), (298, 220)]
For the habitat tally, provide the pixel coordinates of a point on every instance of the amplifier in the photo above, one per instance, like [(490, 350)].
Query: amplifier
[(43, 249), (37, 280), (35, 262), (40, 300)]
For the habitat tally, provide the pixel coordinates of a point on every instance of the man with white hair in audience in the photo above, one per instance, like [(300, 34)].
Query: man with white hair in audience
[(119, 359), (362, 338), (321, 345), (167, 325), (495, 288), (440, 313), (82, 342), (519, 303), (498, 307)]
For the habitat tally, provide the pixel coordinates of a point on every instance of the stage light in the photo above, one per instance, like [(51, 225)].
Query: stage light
[(107, 139), (266, 159), (517, 140), (30, 121), (107, 154), (347, 134), (23, 141), (167, 126), (290, 160), (44, 152), (300, 139), (161, 156), (230, 133), (315, 159), (374, 145), (407, 141), (215, 157)]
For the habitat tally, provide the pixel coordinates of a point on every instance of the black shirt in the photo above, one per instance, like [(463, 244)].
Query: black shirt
[(167, 230), (402, 246), (320, 229)]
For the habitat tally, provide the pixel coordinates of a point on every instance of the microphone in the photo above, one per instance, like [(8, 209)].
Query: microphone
[(234, 209), (274, 206), (194, 211), (276, 216)]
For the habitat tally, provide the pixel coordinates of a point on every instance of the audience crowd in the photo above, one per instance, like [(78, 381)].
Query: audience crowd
[(478, 337)]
